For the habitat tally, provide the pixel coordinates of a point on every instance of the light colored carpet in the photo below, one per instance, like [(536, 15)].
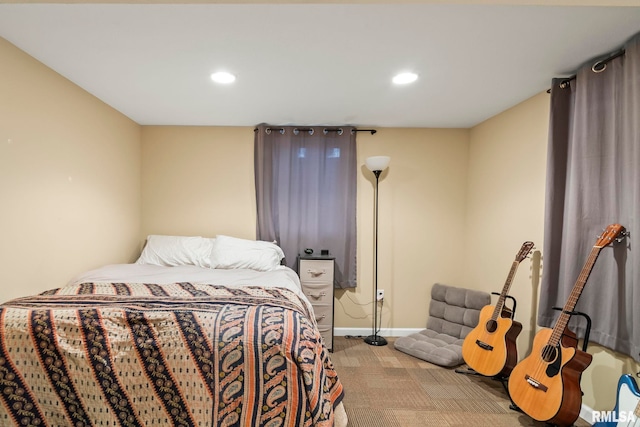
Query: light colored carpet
[(387, 388)]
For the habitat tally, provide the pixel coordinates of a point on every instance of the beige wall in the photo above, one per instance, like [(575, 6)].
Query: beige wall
[(69, 178), (198, 181), (505, 204), (421, 224), (505, 207)]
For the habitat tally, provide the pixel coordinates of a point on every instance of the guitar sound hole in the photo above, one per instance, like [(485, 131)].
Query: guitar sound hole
[(549, 353), (492, 325)]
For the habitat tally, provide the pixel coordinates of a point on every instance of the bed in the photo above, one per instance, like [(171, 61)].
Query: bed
[(167, 345)]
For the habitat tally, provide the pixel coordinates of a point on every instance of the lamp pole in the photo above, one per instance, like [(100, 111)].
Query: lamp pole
[(374, 339)]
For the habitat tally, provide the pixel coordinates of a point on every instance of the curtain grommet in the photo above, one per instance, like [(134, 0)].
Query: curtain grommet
[(268, 131), (599, 67)]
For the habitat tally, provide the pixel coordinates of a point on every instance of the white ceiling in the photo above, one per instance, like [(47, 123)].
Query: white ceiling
[(311, 64)]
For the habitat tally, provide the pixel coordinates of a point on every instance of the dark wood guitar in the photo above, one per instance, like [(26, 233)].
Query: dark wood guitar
[(490, 348), (546, 384)]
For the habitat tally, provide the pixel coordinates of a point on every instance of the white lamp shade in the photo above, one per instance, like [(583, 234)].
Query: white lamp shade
[(377, 163)]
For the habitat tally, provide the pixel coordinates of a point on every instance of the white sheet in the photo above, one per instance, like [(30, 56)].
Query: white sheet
[(283, 277)]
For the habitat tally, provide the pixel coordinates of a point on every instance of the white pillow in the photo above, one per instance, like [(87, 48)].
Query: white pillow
[(177, 250), (232, 252)]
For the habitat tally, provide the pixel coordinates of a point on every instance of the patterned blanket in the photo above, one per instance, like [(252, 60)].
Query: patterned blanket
[(123, 354)]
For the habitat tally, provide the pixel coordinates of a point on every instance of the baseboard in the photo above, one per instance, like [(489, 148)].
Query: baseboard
[(586, 413), (385, 332)]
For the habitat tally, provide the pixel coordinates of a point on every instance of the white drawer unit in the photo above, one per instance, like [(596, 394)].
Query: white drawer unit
[(316, 277)]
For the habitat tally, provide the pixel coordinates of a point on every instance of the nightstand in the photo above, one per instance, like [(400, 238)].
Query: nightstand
[(316, 277)]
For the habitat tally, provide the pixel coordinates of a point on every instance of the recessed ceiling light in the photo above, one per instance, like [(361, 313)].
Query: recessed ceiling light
[(404, 78), (223, 77)]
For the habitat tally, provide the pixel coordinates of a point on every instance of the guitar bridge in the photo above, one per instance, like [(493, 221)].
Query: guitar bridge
[(535, 383), (484, 345)]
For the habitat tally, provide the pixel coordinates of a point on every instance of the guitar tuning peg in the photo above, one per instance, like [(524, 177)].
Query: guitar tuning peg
[(622, 236)]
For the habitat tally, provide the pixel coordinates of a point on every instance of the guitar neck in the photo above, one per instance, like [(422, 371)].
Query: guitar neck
[(505, 290), (563, 320)]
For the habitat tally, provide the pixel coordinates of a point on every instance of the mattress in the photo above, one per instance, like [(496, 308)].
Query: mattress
[(138, 345)]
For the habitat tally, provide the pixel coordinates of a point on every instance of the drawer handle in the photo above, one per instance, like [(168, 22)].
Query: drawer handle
[(315, 273), (321, 318), (318, 296)]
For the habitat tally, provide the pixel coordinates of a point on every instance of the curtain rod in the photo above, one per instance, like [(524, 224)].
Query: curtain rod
[(327, 129), (597, 67)]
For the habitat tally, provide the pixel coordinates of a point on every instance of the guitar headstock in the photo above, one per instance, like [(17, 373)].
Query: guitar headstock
[(610, 234), (524, 252)]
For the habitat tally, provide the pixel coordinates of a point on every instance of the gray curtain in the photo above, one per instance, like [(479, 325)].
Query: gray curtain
[(593, 180), (306, 192)]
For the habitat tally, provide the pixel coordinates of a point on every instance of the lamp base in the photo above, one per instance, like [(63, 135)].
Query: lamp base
[(375, 340)]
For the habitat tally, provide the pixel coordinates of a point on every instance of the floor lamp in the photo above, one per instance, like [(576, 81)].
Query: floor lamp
[(376, 165)]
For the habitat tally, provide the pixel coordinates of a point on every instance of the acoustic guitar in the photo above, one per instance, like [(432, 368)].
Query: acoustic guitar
[(546, 384), (490, 348), (627, 409)]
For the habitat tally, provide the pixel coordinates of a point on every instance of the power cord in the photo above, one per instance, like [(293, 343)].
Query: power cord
[(360, 337), (354, 337), (350, 337), (345, 310), (380, 315)]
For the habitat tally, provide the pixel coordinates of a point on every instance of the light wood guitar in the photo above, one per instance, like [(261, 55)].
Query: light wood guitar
[(546, 384), (490, 348)]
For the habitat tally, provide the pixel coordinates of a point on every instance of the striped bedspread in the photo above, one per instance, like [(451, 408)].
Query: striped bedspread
[(182, 354)]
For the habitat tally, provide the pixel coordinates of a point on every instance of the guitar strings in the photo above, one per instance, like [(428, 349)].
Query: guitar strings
[(555, 336), (553, 347)]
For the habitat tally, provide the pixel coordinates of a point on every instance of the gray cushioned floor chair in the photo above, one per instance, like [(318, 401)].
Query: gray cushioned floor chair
[(453, 312)]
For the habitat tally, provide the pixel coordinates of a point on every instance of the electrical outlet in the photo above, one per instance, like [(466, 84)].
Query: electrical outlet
[(380, 295)]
